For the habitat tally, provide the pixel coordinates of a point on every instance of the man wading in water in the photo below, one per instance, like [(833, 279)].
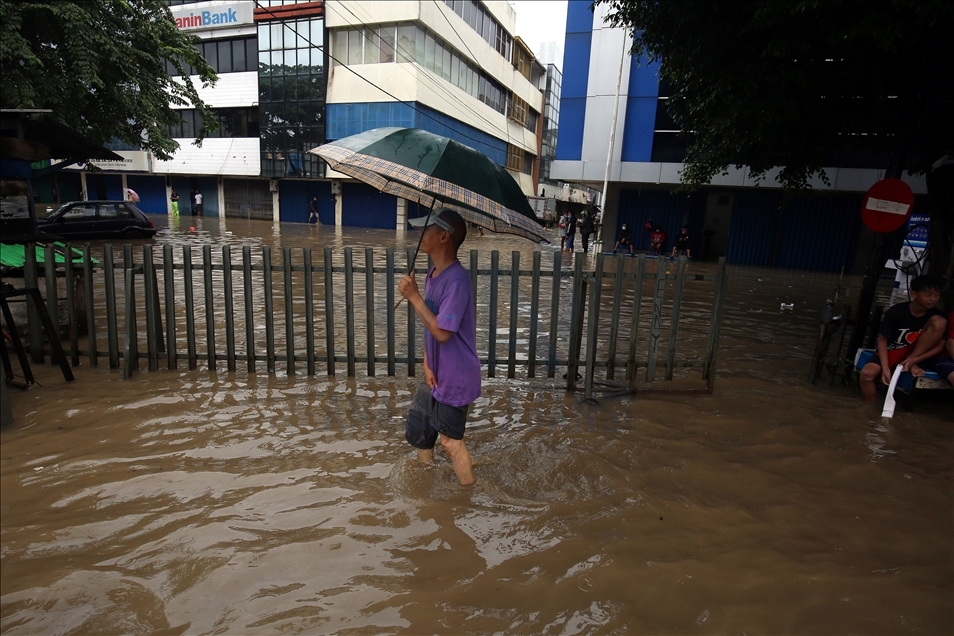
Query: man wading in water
[(451, 366)]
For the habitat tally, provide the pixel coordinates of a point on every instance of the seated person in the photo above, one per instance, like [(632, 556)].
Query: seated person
[(910, 333), (656, 240), (625, 239), (943, 363), (682, 243)]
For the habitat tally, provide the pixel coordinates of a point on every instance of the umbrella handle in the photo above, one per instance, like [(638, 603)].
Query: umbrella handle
[(414, 259)]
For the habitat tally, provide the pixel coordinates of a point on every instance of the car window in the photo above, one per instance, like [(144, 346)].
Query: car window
[(107, 210), (80, 213)]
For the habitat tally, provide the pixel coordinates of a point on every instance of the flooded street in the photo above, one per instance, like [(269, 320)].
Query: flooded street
[(193, 503)]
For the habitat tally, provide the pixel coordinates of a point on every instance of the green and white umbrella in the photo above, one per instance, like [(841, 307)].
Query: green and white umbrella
[(436, 171)]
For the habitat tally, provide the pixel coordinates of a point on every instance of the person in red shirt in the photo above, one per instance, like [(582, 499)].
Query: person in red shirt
[(944, 363), (910, 333), (656, 240)]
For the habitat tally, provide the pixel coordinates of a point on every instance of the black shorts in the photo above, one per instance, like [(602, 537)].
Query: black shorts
[(427, 417)]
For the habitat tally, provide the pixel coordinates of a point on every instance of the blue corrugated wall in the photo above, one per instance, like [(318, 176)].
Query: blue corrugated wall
[(815, 232), (364, 206), (151, 191), (295, 198), (669, 210)]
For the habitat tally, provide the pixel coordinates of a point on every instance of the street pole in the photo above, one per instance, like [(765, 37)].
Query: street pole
[(869, 284), (612, 137)]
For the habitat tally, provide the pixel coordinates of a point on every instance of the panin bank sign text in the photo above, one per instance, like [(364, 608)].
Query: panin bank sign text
[(214, 15)]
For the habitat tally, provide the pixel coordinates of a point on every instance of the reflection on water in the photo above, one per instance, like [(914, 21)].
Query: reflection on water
[(184, 502)]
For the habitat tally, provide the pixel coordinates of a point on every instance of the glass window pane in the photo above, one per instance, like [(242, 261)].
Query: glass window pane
[(238, 55), (317, 33), (301, 41), (251, 55), (386, 40), (288, 36), (455, 71), (265, 59), (372, 47), (419, 40), (263, 39), (291, 59), (211, 56), (479, 24), (429, 52), (340, 49), (446, 66), (405, 42), (225, 56), (276, 36), (355, 43), (438, 58)]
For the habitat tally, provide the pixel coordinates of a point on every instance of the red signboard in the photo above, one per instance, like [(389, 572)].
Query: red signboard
[(887, 205)]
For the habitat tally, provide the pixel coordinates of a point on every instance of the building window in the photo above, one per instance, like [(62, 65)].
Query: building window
[(528, 159), (292, 90), (233, 122), (413, 44), (517, 109), (234, 55), (532, 118), (514, 158), (486, 26)]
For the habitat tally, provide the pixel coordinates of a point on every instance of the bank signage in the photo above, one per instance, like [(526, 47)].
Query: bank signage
[(132, 161), (213, 15)]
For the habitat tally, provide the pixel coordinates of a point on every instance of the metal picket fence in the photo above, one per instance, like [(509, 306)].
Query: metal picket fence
[(297, 315)]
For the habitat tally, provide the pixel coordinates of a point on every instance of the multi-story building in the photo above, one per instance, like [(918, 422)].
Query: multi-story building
[(732, 216), (293, 75)]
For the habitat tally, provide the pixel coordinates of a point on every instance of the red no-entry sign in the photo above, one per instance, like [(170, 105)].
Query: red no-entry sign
[(887, 205)]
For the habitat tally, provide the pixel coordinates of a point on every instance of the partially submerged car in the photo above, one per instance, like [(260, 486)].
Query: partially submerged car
[(94, 220)]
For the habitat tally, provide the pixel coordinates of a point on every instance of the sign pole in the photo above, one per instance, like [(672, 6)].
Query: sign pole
[(885, 210)]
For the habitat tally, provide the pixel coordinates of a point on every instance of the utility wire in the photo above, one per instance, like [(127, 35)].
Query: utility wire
[(436, 82)]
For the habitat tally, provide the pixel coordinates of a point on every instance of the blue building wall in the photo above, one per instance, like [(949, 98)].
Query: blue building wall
[(351, 119), (295, 198), (105, 187), (663, 208), (576, 77), (151, 191), (816, 232), (364, 206), (642, 98)]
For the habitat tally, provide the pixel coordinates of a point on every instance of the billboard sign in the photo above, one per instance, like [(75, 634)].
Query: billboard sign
[(213, 15)]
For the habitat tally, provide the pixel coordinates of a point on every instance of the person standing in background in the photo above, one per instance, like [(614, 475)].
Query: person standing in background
[(313, 211), (570, 231), (174, 198), (586, 229), (198, 202)]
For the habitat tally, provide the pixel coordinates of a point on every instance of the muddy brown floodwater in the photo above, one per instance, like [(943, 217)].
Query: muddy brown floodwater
[(191, 503)]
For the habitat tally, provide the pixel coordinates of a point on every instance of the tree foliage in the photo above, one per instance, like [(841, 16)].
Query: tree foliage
[(801, 84), (99, 65)]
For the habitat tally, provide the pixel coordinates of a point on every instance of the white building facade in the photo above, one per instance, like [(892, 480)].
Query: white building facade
[(293, 75)]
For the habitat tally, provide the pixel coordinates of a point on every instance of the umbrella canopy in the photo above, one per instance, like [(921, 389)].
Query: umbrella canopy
[(436, 171), (131, 195)]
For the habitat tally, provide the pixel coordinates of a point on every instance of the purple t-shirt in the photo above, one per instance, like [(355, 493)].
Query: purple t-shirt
[(454, 363)]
